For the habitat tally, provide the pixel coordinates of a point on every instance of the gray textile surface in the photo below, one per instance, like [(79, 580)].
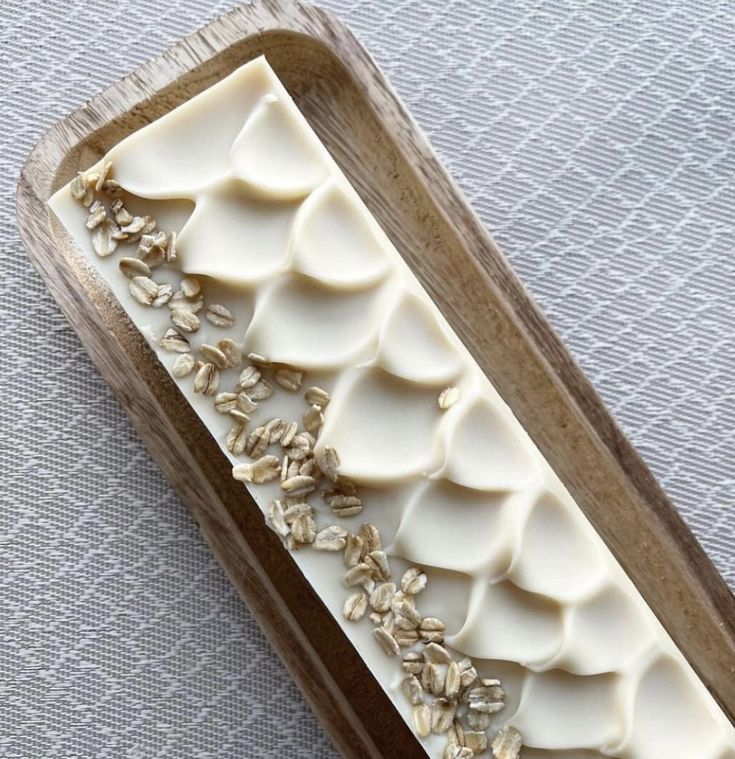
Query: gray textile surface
[(596, 142)]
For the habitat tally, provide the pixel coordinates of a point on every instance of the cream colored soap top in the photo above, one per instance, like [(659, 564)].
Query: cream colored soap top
[(526, 586)]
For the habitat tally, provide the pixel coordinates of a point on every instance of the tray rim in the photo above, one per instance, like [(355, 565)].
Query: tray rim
[(702, 580)]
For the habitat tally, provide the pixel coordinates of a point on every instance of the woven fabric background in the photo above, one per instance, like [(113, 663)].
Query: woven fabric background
[(596, 142)]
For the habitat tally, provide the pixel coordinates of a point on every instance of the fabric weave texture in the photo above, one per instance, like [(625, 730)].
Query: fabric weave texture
[(594, 139)]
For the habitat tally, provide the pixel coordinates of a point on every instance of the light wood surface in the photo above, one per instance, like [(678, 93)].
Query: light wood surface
[(358, 116)]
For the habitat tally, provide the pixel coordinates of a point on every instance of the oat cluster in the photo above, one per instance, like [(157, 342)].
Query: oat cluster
[(446, 694), (111, 225)]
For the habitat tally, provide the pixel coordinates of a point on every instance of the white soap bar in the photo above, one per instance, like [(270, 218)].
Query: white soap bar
[(275, 232)]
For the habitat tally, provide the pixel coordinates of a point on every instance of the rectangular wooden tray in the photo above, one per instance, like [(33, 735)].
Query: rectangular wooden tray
[(360, 119)]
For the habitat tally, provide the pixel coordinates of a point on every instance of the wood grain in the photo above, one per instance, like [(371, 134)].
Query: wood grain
[(360, 119)]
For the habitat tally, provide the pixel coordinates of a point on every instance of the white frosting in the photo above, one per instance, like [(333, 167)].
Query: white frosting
[(525, 584)]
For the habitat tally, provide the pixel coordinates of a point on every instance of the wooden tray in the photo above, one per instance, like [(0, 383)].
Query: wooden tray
[(360, 119)]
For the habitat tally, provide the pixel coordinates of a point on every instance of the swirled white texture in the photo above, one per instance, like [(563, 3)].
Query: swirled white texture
[(414, 346), (298, 321), (525, 584), (231, 222), (472, 526), (337, 244), (274, 155)]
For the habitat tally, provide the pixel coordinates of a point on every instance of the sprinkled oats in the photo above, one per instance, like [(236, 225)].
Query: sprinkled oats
[(315, 396), (475, 740), (358, 574), (261, 390), (191, 287), (507, 743), (183, 365), (214, 355), (276, 520), (175, 342), (409, 616), (413, 581), (386, 641), (295, 509), (452, 683), (97, 214), (299, 448), (442, 715), (413, 662), (355, 606), (134, 267), (448, 397), (231, 350), (406, 638), (185, 320), (143, 289), (299, 485), (412, 690), (332, 538), (478, 720), (80, 191), (327, 460), (256, 358), (206, 380), (179, 302), (344, 505), (370, 538), (219, 316), (422, 719), (257, 442), (121, 214), (249, 377), (378, 562), (245, 403), (288, 434), (165, 291), (454, 751), (353, 550), (225, 402), (288, 378), (431, 630), (381, 597), (313, 419), (488, 697), (455, 734), (170, 251), (264, 469), (303, 529)]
